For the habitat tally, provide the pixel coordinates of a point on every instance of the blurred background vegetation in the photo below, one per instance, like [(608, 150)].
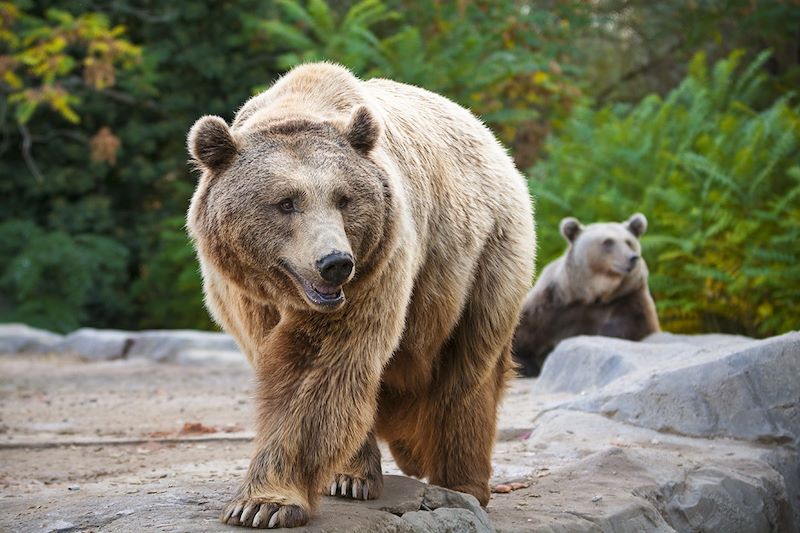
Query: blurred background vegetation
[(684, 110)]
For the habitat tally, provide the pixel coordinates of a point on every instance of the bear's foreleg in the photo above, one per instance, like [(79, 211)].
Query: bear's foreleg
[(315, 410), (318, 390)]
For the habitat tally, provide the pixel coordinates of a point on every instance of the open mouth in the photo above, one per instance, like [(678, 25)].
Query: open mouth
[(624, 270), (323, 295)]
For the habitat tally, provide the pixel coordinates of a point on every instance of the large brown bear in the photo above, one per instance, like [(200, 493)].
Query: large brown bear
[(598, 287), (368, 244)]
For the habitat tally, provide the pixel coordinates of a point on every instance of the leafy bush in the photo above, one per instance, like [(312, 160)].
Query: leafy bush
[(92, 182), (717, 177), (169, 285), (59, 290), (483, 55)]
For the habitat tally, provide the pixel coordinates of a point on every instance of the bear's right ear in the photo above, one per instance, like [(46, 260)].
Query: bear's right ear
[(211, 143), (570, 228)]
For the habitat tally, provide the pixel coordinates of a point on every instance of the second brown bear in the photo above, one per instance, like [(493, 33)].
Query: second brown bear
[(598, 287)]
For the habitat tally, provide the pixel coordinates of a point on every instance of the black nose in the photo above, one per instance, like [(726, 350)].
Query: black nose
[(335, 268), (633, 259)]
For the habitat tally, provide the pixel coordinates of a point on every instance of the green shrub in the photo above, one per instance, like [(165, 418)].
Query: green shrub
[(483, 55), (55, 280), (719, 180), (169, 288)]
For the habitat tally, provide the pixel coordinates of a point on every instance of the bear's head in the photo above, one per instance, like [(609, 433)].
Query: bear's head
[(604, 259), (292, 210)]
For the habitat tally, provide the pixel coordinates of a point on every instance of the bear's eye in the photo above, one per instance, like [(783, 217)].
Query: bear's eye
[(287, 206), (608, 243), (343, 202), (630, 244)]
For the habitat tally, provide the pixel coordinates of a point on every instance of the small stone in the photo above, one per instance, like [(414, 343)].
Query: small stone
[(596, 498), (74, 487), (655, 441), (61, 525), (502, 489)]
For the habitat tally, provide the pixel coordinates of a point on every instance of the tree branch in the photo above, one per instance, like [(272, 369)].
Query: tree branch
[(27, 142)]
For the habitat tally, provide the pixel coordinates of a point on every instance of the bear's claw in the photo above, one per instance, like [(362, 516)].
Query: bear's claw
[(353, 487), (263, 515)]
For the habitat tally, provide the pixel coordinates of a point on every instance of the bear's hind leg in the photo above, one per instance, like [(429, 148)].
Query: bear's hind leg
[(405, 458), (474, 366), (462, 437), (362, 478)]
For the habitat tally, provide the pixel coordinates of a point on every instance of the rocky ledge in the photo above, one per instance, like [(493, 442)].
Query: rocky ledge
[(675, 433)]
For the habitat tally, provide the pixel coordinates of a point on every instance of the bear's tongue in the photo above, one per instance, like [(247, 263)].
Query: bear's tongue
[(326, 290)]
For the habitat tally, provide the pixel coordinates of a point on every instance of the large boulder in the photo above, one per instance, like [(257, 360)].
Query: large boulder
[(709, 424), (730, 387), (184, 346), (96, 344)]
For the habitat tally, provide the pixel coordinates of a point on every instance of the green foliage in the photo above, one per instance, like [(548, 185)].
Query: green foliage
[(100, 197), (482, 55), (315, 32), (169, 283), (97, 99), (719, 181), (42, 56), (57, 290)]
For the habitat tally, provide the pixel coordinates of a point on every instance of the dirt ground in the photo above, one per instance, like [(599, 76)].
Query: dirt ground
[(75, 434)]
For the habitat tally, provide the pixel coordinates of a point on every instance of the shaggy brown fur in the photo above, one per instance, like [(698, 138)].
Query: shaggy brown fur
[(413, 345), (598, 287)]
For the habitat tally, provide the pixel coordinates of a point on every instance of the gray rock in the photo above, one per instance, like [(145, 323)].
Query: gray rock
[(59, 525), (709, 340), (710, 499), (193, 357), (19, 338), (678, 390), (445, 521), (185, 346), (682, 483), (399, 510), (744, 389), (97, 344), (441, 498)]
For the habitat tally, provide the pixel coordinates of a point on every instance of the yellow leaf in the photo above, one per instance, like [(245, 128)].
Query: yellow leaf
[(540, 77)]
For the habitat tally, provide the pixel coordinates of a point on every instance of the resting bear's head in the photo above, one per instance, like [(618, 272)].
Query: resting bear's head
[(606, 253), (290, 210)]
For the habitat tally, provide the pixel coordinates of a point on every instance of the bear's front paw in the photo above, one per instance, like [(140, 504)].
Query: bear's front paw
[(263, 514), (356, 487)]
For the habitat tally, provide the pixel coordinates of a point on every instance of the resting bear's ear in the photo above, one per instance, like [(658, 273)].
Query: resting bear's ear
[(637, 224), (570, 228), (211, 143), (363, 130)]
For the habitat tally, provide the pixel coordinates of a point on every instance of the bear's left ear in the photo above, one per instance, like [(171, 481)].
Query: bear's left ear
[(637, 224), (363, 130)]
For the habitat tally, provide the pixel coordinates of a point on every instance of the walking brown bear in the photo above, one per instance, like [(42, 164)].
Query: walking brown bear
[(368, 244)]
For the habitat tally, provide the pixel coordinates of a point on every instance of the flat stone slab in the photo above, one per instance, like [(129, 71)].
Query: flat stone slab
[(186, 347), (164, 506)]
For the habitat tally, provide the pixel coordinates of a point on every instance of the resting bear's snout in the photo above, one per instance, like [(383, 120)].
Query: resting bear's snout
[(335, 268), (633, 260)]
